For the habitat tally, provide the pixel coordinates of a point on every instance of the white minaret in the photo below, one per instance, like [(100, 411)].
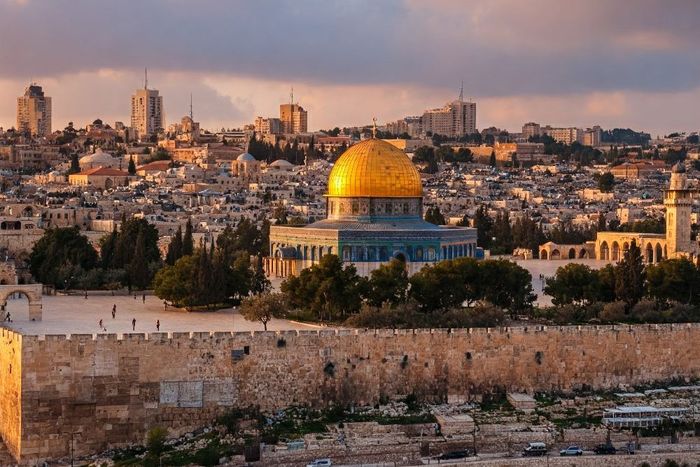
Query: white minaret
[(678, 202)]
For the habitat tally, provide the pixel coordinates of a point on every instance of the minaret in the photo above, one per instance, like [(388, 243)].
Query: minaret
[(678, 202)]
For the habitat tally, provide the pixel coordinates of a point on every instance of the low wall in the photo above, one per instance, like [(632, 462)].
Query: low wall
[(110, 390)]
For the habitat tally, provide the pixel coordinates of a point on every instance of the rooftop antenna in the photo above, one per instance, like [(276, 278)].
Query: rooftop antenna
[(145, 78), (461, 92), (191, 113), (374, 127), (291, 96)]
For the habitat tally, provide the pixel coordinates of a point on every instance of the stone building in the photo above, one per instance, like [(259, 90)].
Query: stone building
[(612, 246), (374, 210)]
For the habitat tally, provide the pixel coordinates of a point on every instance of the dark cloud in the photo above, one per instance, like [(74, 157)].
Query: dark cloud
[(497, 47)]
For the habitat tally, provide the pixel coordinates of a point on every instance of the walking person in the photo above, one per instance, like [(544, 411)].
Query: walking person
[(133, 324), (144, 298), (100, 324), (158, 325), (114, 311)]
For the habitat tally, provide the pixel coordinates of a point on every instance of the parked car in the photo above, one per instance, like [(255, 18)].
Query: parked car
[(461, 454), (535, 449), (605, 449), (571, 451), (320, 463)]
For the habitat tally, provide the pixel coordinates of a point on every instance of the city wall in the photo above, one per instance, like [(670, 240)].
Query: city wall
[(109, 390), (10, 389)]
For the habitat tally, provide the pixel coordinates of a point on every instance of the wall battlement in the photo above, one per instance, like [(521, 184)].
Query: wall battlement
[(112, 388), (456, 332)]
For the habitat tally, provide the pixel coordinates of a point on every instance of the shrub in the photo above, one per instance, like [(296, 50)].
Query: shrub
[(613, 312), (155, 440)]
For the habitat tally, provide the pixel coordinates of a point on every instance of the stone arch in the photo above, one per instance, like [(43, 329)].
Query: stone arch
[(543, 254), (604, 251), (615, 251), (108, 183), (572, 253), (625, 248), (649, 253), (583, 254), (555, 254), (31, 291)]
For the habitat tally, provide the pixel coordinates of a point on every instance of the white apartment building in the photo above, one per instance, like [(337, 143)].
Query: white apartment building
[(564, 135), (34, 112), (455, 119), (147, 116)]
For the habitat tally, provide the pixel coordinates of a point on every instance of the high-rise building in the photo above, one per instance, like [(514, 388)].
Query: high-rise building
[(34, 112), (265, 125), (592, 136), (147, 116), (455, 119), (531, 129), (294, 118)]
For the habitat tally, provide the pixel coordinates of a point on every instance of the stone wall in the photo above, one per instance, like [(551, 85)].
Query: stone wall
[(10, 389), (111, 389)]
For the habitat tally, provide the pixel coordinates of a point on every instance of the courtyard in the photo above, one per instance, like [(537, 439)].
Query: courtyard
[(75, 314)]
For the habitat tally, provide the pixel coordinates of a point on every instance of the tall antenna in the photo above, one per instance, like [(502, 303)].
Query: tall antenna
[(191, 113), (145, 78), (461, 92), (291, 96)]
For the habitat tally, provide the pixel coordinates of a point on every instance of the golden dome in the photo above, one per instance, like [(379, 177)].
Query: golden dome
[(374, 168)]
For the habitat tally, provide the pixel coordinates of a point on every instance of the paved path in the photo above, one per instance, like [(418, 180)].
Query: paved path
[(77, 315)]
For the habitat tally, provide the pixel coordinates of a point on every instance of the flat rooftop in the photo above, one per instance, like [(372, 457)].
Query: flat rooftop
[(77, 315)]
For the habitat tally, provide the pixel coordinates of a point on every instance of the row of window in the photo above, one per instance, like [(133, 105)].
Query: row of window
[(356, 208)]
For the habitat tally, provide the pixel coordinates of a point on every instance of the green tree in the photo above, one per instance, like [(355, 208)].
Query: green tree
[(174, 248), (388, 284), (506, 285), (484, 228), (434, 216), (139, 273), (327, 289), (132, 166), (60, 256), (155, 441), (446, 284), (606, 182), (74, 164), (573, 283), (174, 283), (492, 159), (674, 280), (187, 240), (629, 277), (263, 307)]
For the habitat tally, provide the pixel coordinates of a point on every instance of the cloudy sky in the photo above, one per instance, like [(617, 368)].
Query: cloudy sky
[(617, 63)]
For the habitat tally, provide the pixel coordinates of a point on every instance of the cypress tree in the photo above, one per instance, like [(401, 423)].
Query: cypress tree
[(139, 275), (187, 241), (132, 166), (175, 248), (629, 277)]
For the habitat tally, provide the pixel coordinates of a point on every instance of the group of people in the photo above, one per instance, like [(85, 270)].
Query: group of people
[(103, 328)]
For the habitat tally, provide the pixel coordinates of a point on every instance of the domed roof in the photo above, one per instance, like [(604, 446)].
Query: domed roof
[(98, 159), (245, 157), (281, 163), (374, 168)]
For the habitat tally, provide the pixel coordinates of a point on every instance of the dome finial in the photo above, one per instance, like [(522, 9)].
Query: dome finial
[(374, 127)]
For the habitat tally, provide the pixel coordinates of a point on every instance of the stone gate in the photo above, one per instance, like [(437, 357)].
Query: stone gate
[(31, 291)]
